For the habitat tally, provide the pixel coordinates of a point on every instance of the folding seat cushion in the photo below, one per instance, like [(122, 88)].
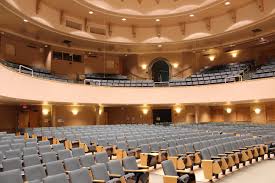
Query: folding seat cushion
[(87, 160), (13, 154), (77, 152), (59, 178), (34, 173), (101, 157), (55, 167), (171, 173), (71, 164), (12, 176), (64, 154), (48, 157), (80, 175), (191, 151), (29, 151), (12, 164), (44, 149), (115, 168), (31, 160)]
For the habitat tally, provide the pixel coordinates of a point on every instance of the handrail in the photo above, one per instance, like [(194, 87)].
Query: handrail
[(24, 67), (234, 76), (182, 71)]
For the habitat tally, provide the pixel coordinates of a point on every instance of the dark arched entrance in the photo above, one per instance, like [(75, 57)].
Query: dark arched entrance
[(160, 71)]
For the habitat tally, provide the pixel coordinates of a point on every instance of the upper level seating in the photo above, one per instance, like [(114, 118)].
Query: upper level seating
[(214, 75), (265, 71), (101, 76)]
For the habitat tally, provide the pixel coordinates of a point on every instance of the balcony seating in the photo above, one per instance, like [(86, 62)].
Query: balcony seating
[(265, 71)]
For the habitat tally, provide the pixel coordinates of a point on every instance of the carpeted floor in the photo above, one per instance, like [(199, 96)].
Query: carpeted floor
[(260, 172)]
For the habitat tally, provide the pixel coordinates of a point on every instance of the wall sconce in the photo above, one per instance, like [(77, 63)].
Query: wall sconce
[(175, 65), (143, 66), (178, 109), (212, 58), (45, 112), (100, 110), (234, 54), (257, 110), (228, 110), (145, 111), (75, 111)]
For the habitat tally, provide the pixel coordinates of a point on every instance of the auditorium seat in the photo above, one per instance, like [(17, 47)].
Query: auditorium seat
[(35, 174), (12, 176), (59, 178), (55, 167), (80, 175)]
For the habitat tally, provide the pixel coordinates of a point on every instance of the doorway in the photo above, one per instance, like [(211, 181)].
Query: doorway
[(160, 71), (161, 116)]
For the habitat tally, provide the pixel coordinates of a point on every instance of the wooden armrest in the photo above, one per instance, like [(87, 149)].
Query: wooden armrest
[(222, 155), (163, 149), (98, 180), (143, 167), (215, 157), (183, 171), (243, 148), (236, 150), (115, 175), (154, 151), (170, 179), (229, 152), (137, 171), (198, 151), (189, 153)]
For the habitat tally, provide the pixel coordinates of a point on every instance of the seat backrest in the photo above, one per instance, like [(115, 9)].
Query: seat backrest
[(80, 175), (36, 172), (130, 163), (101, 157), (59, 178), (169, 168), (18, 146), (64, 154), (87, 160), (205, 154), (11, 164), (155, 147), (100, 172), (145, 148), (4, 148), (181, 149), (11, 176), (220, 149), (44, 149), (55, 167), (77, 152), (13, 154), (44, 142), (132, 143), (31, 144), (49, 157), (29, 151), (172, 151), (71, 164), (122, 145), (115, 167), (31, 160), (58, 147), (189, 147), (212, 150)]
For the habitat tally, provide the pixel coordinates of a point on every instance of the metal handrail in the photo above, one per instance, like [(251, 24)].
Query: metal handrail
[(234, 76), (24, 67)]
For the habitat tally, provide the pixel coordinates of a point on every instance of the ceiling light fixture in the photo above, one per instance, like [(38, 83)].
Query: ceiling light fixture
[(123, 19), (191, 15), (157, 20), (228, 110), (227, 3), (257, 110), (91, 12), (212, 58), (25, 20), (159, 45)]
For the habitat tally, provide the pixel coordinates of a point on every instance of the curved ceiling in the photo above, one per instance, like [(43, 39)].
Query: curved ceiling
[(213, 24)]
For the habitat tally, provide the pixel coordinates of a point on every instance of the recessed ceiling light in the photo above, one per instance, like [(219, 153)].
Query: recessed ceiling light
[(91, 12), (227, 3), (191, 15), (123, 19), (157, 20), (159, 45), (46, 46), (25, 20)]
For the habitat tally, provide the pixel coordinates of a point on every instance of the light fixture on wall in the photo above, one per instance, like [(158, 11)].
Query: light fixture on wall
[(234, 54), (228, 110), (100, 110), (45, 111), (175, 65), (75, 111), (212, 58), (178, 109), (143, 66), (145, 111), (257, 110)]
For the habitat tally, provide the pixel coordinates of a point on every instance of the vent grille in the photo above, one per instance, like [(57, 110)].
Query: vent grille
[(73, 25), (96, 30)]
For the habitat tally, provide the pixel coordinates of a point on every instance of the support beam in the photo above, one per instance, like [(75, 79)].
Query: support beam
[(158, 30), (109, 28), (37, 6), (182, 28), (134, 33), (233, 16), (208, 23), (61, 16), (86, 24)]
